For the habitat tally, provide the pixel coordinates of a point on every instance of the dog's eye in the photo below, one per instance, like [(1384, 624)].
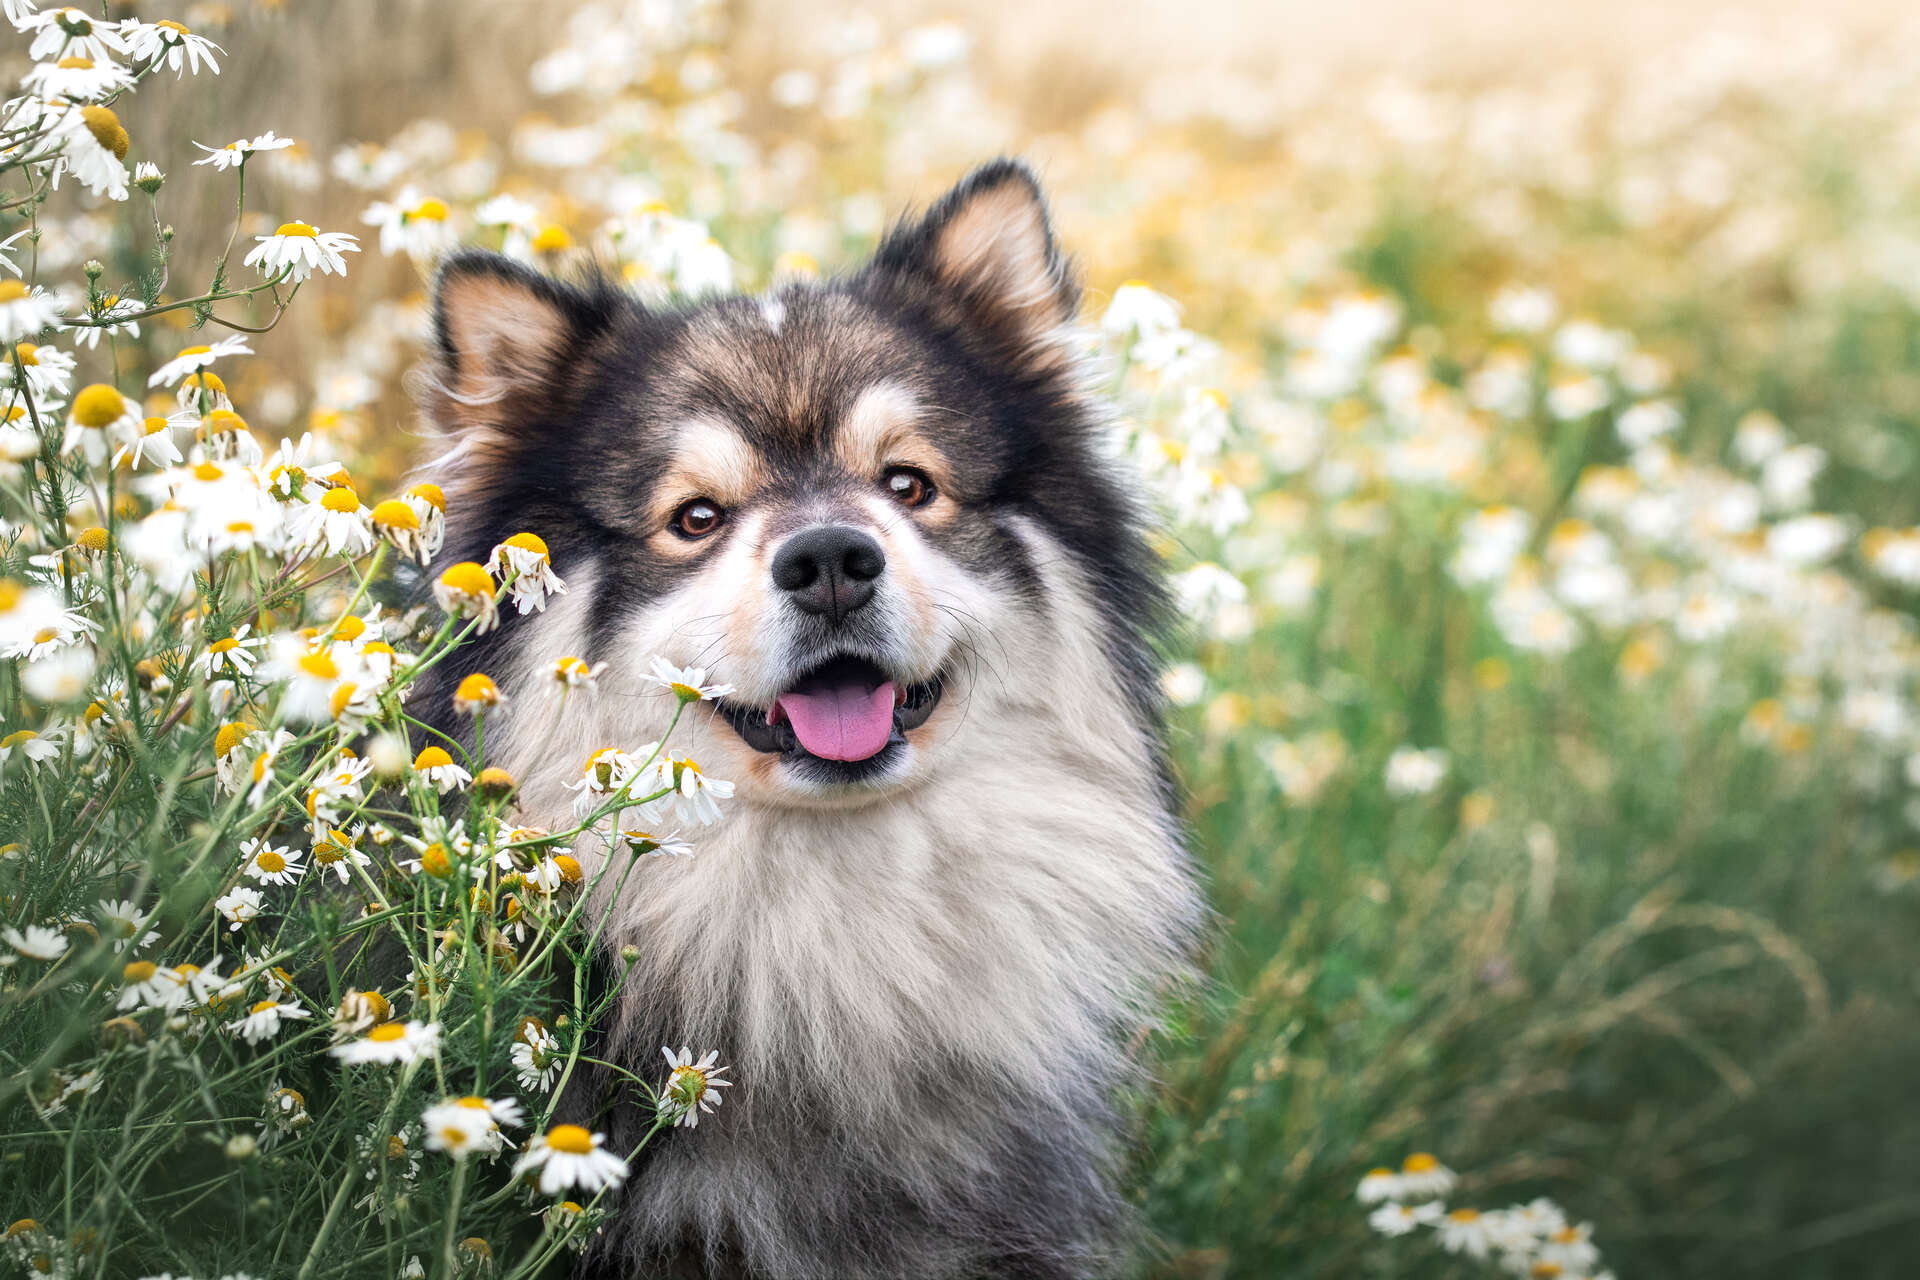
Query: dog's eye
[(697, 519), (910, 488)]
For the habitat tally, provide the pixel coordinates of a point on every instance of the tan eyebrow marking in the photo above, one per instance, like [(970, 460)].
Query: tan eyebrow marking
[(710, 459), (881, 426)]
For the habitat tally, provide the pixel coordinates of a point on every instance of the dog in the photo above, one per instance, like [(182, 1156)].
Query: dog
[(930, 930)]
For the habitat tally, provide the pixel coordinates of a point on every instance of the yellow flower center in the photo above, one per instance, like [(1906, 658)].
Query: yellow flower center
[(208, 472), (230, 736), (342, 699), (300, 229), (342, 500), (688, 1084), (1465, 1215), (319, 665), (435, 862), (552, 239), (171, 25), (350, 627), (430, 494), (75, 63), (570, 1138), (430, 209), (394, 514), (467, 578), (28, 353), (107, 130), (432, 758), (477, 687), (12, 291), (527, 542), (569, 868), (15, 739), (154, 426), (1420, 1162), (223, 646), (265, 1006), (99, 406), (222, 421), (387, 1032), (205, 380), (93, 539), (139, 971), (270, 862)]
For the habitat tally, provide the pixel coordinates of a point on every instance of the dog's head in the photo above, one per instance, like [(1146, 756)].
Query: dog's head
[(880, 506)]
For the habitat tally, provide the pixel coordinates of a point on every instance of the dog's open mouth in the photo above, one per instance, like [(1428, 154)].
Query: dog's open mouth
[(846, 710)]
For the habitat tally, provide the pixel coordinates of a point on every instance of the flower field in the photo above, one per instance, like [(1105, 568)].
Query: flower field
[(1539, 454)]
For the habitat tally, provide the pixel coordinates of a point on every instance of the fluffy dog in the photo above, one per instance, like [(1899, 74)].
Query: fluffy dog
[(930, 928)]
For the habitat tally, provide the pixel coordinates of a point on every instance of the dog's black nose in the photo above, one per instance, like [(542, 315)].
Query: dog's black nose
[(829, 569)]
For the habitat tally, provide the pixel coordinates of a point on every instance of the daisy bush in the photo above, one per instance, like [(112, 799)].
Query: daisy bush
[(285, 987)]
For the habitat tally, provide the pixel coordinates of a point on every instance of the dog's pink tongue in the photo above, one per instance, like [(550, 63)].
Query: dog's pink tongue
[(842, 721)]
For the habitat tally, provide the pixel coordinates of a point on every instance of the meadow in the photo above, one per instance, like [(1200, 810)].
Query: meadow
[(1538, 447)]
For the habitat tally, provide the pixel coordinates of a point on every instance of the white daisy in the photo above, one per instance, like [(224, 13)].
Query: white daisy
[(438, 768), (238, 906), (99, 420), (691, 1087), (463, 1126), (688, 683), (391, 1042), (1394, 1219), (1378, 1185), (1413, 772), (92, 146), (35, 942), (298, 249), (32, 745), (338, 851), (337, 521), (240, 151), (234, 653), (575, 673), (1465, 1231), (68, 30), (49, 371), (156, 444), (1138, 311), (410, 223), (293, 465), (698, 793), (569, 1156), (534, 579), (25, 312), (195, 358), (148, 42), (267, 863), (1422, 1175), (650, 843), (429, 507), (126, 924), (264, 1019), (77, 78), (536, 1056), (146, 985), (466, 590)]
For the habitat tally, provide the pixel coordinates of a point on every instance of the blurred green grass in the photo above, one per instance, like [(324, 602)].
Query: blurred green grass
[(1659, 983)]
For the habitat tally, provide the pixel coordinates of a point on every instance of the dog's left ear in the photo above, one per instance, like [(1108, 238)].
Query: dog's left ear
[(984, 257), (504, 338)]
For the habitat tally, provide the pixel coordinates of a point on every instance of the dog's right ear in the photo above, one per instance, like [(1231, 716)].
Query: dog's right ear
[(504, 335)]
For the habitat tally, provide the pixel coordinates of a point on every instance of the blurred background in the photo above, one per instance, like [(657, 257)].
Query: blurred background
[(1538, 440)]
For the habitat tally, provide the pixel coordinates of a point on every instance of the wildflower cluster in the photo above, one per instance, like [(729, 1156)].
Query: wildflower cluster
[(1534, 1240), (260, 921)]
